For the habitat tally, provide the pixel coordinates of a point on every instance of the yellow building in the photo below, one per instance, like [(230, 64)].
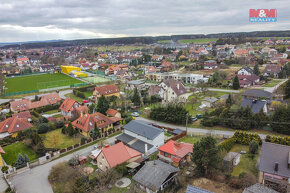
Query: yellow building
[(68, 69)]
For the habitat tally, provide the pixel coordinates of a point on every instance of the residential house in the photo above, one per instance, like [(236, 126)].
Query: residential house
[(173, 91), (27, 104), (25, 115), (259, 188), (139, 84), (265, 50), (46, 68), (248, 80), (272, 70), (269, 42), (155, 176), (142, 137), (210, 65), (257, 94), (68, 106), (12, 126), (87, 122), (112, 70), (166, 66), (111, 156), (85, 66), (272, 52), (122, 75), (21, 61), (157, 77), (241, 53), (175, 152), (274, 167), (107, 90), (113, 113), (194, 189), (150, 69), (156, 90), (245, 71), (231, 160), (255, 105)]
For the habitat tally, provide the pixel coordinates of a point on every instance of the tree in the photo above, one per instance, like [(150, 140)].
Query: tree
[(136, 98), (229, 100), (21, 161), (256, 70), (53, 140), (287, 89), (206, 156), (70, 129), (103, 105), (253, 147), (95, 132), (92, 108), (236, 83), (43, 128)]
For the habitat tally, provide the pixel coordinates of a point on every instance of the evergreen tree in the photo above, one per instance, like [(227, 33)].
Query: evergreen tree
[(103, 105), (256, 70), (253, 147), (70, 129), (236, 83), (20, 162), (136, 98), (206, 156), (26, 159), (229, 100), (94, 132)]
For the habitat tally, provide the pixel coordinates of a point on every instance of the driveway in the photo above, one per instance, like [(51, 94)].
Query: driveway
[(35, 180), (194, 130)]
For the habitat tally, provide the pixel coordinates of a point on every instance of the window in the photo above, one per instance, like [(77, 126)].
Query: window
[(17, 126), (165, 154), (6, 126)]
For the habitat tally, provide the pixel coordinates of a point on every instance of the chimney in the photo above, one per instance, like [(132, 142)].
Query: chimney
[(178, 86), (146, 148), (276, 167)]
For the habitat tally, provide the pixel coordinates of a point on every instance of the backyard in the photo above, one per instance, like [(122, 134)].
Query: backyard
[(58, 139), (37, 82), (272, 83), (12, 151), (247, 164)]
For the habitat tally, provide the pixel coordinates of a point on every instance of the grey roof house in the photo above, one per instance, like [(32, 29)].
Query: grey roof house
[(257, 94), (155, 175), (255, 105), (259, 188), (142, 137), (274, 166)]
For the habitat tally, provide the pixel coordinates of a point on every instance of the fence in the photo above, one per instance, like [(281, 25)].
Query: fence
[(29, 74), (23, 92)]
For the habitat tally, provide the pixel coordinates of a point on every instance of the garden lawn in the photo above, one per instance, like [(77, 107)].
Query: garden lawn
[(12, 151), (191, 140), (272, 83), (37, 82), (51, 112), (66, 141), (247, 164), (72, 96), (198, 41)]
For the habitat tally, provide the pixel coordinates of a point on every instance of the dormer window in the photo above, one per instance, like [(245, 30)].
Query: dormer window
[(91, 124), (17, 126), (6, 126)]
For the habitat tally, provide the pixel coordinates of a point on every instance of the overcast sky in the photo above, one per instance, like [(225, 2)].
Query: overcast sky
[(26, 20)]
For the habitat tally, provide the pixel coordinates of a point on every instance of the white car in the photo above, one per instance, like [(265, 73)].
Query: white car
[(135, 114)]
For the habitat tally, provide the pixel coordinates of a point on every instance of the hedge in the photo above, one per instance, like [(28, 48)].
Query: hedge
[(228, 144), (277, 139), (244, 138), (47, 108)]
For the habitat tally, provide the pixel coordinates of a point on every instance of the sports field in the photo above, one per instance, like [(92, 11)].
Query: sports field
[(96, 79), (37, 82)]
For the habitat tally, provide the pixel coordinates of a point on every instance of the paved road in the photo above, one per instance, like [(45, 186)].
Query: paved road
[(194, 130), (35, 180)]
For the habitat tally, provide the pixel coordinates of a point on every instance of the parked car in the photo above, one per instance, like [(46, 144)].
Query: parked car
[(198, 116), (135, 114), (193, 119)]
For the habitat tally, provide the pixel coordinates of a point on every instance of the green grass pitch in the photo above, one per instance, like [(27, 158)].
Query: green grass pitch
[(37, 82)]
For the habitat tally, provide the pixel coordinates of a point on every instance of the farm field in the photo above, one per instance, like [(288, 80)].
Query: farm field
[(198, 41), (119, 48), (37, 82), (96, 79)]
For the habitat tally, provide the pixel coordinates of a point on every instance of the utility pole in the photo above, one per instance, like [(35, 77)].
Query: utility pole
[(2, 80), (186, 122)]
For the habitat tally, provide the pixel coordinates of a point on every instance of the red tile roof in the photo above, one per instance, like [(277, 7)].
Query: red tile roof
[(118, 154), (177, 149), (241, 51), (107, 89), (22, 115), (111, 112), (67, 105), (26, 104), (14, 124), (87, 121)]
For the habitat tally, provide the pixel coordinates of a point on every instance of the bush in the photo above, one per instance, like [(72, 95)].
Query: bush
[(279, 140), (244, 138), (73, 162), (42, 119), (59, 124), (4, 169), (43, 128), (122, 169), (253, 147), (47, 108)]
